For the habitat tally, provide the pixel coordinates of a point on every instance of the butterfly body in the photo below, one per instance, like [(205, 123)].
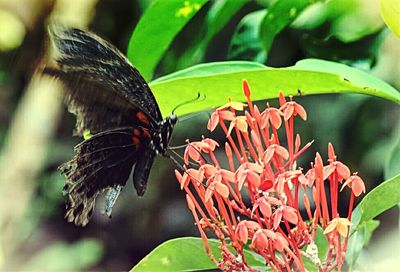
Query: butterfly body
[(114, 103)]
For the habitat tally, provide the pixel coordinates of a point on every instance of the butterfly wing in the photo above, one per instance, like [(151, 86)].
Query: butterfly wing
[(114, 103), (103, 161), (102, 88)]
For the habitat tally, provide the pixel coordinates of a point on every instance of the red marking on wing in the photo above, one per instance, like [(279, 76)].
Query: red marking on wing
[(136, 140), (142, 117), (137, 132), (146, 132)]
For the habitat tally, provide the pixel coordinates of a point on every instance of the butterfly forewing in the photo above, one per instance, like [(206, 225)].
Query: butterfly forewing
[(100, 81)]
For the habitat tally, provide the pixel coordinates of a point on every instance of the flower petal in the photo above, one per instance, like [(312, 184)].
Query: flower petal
[(268, 154), (241, 177), (209, 192), (300, 111), (241, 123), (226, 115), (209, 170), (343, 226), (331, 226), (282, 152), (231, 126), (196, 175), (290, 215), (193, 153), (237, 105), (275, 117), (343, 170), (213, 121), (255, 167), (289, 110), (222, 189), (211, 143), (358, 186), (260, 240), (277, 218), (265, 208), (228, 175), (253, 178), (242, 232)]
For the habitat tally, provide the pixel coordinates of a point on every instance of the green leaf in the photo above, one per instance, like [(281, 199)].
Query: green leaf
[(390, 11), (281, 14), (322, 243), (360, 239), (209, 69), (245, 43), (66, 257), (380, 199), (185, 254), (310, 76), (309, 265), (157, 28)]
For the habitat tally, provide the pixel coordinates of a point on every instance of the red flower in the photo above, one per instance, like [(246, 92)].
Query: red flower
[(356, 184), (255, 194)]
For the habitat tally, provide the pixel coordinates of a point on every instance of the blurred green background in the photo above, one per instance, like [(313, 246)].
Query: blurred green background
[(36, 130)]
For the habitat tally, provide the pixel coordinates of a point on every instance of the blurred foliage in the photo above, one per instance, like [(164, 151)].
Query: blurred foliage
[(344, 31), (12, 33), (66, 257)]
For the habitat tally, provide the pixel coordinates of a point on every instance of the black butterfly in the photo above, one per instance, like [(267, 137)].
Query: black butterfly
[(113, 102)]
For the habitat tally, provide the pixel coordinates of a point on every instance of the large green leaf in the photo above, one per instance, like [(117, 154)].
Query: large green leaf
[(185, 254), (309, 76), (210, 69), (157, 28), (281, 14)]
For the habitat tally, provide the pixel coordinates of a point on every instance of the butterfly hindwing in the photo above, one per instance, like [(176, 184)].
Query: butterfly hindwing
[(100, 162)]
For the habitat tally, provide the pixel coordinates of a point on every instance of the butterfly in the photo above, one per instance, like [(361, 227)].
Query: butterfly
[(115, 106)]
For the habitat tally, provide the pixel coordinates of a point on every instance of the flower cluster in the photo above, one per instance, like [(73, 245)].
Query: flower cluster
[(254, 200)]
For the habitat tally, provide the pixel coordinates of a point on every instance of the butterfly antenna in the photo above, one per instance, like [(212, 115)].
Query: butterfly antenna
[(189, 116), (177, 147), (189, 101)]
